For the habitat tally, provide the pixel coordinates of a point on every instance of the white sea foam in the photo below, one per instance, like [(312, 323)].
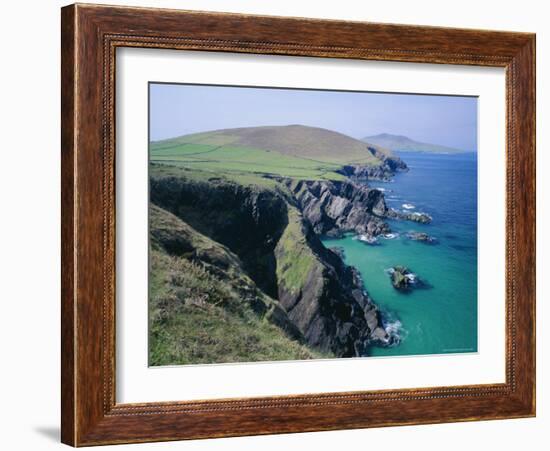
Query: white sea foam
[(367, 239), (408, 206), (394, 327), (395, 331), (390, 236)]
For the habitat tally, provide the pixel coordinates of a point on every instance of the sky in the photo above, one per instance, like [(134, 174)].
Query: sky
[(178, 109)]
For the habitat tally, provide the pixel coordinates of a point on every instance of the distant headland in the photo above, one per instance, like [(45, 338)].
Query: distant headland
[(404, 144)]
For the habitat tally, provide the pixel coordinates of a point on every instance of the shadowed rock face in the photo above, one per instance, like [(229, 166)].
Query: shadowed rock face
[(273, 234), (247, 220), (177, 238), (333, 208)]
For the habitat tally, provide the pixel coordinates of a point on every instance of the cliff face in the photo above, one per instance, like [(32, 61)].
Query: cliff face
[(273, 235), (391, 161), (324, 297), (178, 239), (333, 208), (385, 171), (246, 219), (203, 308)]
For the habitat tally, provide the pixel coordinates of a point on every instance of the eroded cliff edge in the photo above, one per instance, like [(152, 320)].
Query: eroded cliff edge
[(272, 230)]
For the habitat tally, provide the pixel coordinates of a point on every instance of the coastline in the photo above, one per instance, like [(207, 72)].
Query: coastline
[(429, 317), (316, 296)]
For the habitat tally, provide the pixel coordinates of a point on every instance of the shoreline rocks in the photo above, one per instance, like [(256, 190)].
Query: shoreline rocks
[(422, 237), (338, 250), (422, 218)]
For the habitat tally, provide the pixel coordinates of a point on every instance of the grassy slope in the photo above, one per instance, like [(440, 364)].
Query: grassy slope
[(197, 317), (296, 260), (194, 318), (293, 151)]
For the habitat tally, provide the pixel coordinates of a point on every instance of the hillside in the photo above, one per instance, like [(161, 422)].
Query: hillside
[(295, 151), (201, 295), (405, 144)]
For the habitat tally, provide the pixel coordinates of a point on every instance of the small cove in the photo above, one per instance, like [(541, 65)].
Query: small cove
[(441, 317)]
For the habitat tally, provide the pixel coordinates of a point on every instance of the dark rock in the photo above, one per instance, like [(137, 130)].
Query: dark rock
[(330, 307), (422, 218), (338, 250), (421, 236), (333, 208), (364, 173)]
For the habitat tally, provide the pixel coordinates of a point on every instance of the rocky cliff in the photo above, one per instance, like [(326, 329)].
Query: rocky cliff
[(323, 296), (333, 208), (272, 231), (179, 239), (203, 308), (390, 164)]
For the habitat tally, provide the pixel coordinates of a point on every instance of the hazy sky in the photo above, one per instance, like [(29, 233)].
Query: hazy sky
[(181, 109)]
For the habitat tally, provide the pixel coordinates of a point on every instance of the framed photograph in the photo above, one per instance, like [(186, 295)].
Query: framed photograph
[(279, 225)]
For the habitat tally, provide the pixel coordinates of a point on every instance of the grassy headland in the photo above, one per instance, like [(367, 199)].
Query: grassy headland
[(295, 151), (236, 271)]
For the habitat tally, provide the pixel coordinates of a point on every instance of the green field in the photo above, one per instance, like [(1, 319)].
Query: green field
[(290, 151), (242, 160)]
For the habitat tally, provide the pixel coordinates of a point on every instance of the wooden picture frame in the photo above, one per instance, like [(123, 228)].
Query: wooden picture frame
[(90, 36)]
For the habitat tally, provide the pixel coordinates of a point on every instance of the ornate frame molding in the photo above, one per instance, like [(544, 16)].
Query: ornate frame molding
[(90, 36)]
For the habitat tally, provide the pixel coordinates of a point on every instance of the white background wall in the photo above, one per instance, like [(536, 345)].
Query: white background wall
[(29, 223)]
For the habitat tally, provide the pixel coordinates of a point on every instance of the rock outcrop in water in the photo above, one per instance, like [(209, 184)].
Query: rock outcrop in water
[(402, 278), (422, 218), (422, 237)]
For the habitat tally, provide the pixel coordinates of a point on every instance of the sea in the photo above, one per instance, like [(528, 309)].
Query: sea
[(440, 316)]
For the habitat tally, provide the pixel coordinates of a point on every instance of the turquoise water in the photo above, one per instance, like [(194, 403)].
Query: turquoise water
[(441, 317)]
